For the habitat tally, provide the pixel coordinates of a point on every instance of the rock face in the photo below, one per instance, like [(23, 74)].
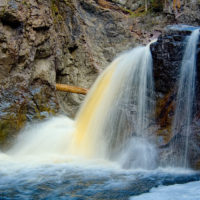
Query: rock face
[(129, 4), (167, 55), (93, 33), (27, 63)]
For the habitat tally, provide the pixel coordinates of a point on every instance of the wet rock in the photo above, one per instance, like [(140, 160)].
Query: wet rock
[(167, 55), (20, 104)]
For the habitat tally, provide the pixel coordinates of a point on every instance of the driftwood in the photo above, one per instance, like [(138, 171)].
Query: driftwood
[(70, 88)]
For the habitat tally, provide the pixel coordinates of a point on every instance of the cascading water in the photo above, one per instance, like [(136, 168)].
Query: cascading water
[(113, 122), (185, 101), (112, 127)]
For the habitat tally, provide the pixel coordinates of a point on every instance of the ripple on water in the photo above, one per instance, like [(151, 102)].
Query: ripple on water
[(72, 181)]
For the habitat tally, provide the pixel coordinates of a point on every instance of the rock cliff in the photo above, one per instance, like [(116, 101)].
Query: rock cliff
[(27, 57), (167, 55)]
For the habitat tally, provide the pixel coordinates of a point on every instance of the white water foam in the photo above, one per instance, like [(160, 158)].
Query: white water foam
[(188, 191)]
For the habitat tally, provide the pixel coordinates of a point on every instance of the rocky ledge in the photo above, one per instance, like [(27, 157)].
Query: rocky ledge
[(167, 55)]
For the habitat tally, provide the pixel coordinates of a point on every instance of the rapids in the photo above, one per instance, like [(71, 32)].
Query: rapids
[(44, 171)]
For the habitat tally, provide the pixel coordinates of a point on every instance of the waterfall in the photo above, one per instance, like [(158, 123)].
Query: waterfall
[(113, 123), (185, 101)]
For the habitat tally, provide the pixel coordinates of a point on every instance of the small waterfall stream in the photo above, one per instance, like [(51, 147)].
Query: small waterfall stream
[(113, 122), (185, 100)]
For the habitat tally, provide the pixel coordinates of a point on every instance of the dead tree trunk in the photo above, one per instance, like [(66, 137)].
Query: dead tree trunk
[(70, 88)]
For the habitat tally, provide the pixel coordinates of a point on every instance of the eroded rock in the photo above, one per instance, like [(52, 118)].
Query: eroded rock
[(27, 82), (167, 55)]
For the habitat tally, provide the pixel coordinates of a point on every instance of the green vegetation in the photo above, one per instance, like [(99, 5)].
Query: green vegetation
[(68, 3), (138, 13), (56, 15)]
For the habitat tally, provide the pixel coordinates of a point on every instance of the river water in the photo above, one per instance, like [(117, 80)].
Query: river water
[(91, 180), (40, 169)]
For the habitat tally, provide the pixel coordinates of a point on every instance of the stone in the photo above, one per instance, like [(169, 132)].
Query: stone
[(43, 69), (27, 80), (167, 55)]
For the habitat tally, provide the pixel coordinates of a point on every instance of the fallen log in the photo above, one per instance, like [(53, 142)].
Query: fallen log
[(70, 88)]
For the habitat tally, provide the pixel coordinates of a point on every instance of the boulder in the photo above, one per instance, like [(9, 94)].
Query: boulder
[(167, 53)]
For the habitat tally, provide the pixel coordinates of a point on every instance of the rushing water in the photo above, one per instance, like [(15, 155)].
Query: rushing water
[(113, 122), (72, 182), (185, 99), (41, 170), (104, 153)]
